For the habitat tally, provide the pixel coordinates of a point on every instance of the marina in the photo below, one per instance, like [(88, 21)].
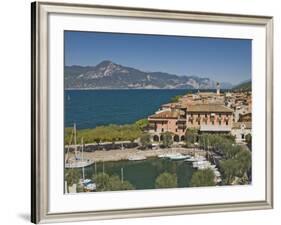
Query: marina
[(142, 170), (142, 173)]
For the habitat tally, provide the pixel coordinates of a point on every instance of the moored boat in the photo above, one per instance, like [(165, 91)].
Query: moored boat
[(89, 185), (177, 156), (77, 161), (191, 159), (136, 158)]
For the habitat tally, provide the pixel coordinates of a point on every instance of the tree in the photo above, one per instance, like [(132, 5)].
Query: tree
[(166, 180), (167, 139), (244, 157), (191, 135), (142, 123), (230, 169), (72, 176), (248, 138), (108, 133), (176, 98), (145, 140), (104, 182), (115, 184), (202, 178), (232, 151)]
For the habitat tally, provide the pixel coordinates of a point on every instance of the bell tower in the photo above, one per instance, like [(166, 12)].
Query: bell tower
[(218, 88)]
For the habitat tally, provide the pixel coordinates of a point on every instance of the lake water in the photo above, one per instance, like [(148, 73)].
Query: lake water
[(91, 108), (142, 174)]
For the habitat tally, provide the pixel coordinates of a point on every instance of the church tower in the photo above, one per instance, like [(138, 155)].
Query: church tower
[(218, 88)]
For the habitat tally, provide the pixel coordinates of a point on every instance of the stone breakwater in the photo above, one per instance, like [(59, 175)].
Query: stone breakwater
[(118, 155)]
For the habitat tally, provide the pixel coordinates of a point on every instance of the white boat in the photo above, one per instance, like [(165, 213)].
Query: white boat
[(162, 156), (199, 163), (168, 155), (200, 158), (217, 173), (178, 157), (77, 161), (136, 158), (89, 185), (203, 167), (191, 159), (217, 180), (212, 166), (78, 164)]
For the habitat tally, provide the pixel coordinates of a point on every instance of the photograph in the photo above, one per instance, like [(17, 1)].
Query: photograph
[(149, 111)]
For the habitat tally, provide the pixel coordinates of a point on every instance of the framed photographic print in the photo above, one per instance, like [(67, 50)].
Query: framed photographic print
[(147, 112)]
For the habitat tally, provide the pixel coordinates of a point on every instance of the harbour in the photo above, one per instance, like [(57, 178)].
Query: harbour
[(142, 174), (191, 141)]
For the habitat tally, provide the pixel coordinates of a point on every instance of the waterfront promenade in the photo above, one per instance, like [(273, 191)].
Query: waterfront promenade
[(117, 155)]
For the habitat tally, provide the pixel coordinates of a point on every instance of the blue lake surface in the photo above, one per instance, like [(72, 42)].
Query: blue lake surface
[(91, 108)]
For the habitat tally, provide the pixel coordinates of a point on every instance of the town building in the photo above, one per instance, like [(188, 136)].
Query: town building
[(210, 118), (167, 121), (240, 130), (204, 117), (211, 112)]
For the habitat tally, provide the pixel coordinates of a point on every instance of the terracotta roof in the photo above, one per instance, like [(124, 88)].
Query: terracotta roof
[(166, 114), (208, 108), (238, 125), (171, 105), (207, 93)]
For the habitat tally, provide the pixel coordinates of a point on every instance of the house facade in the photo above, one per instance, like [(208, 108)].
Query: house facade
[(204, 117), (240, 130)]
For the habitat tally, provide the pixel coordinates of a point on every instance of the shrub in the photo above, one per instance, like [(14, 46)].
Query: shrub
[(166, 180)]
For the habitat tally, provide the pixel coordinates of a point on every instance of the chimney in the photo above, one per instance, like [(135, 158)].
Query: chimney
[(218, 88)]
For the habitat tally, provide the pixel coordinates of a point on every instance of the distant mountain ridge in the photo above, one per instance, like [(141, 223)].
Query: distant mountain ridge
[(244, 86), (109, 75)]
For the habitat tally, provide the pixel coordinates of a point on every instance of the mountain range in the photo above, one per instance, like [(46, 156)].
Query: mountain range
[(244, 86), (109, 75)]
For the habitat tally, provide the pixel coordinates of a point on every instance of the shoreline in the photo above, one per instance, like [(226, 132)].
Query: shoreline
[(120, 155)]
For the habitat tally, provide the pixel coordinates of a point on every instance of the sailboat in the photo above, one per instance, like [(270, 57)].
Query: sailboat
[(77, 162)]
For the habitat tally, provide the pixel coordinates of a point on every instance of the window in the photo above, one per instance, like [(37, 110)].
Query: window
[(242, 136), (162, 129), (219, 122), (176, 130), (206, 115), (226, 122), (213, 122), (198, 122)]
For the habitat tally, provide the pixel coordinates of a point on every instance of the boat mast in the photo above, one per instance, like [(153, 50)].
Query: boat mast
[(122, 175), (95, 168), (68, 147), (83, 158), (75, 141)]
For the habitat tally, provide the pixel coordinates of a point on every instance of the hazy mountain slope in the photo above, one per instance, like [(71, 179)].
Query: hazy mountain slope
[(109, 75)]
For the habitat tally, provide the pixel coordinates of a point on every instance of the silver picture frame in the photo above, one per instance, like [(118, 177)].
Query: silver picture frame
[(40, 103)]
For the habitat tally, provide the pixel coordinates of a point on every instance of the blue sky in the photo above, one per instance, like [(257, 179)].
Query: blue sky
[(224, 60)]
